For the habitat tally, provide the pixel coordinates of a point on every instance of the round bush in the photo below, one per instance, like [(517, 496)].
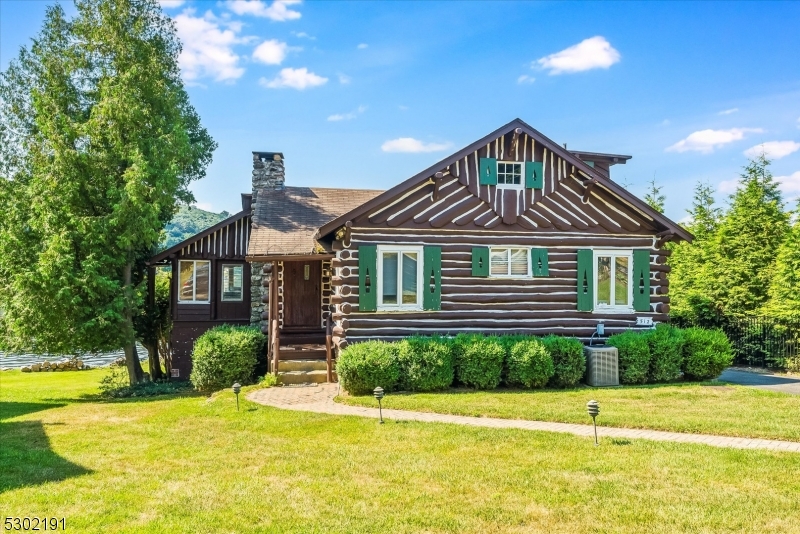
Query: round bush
[(529, 364), (706, 353), (478, 360), (666, 353), (426, 363), (634, 356), (568, 360), (224, 355), (364, 366)]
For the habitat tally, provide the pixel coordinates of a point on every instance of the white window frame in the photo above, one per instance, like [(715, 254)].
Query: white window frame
[(399, 249), (222, 282), (194, 282), (509, 248), (613, 253), (521, 184)]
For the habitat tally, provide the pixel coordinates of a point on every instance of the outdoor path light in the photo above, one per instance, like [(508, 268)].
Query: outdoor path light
[(237, 387), (378, 392), (594, 410)]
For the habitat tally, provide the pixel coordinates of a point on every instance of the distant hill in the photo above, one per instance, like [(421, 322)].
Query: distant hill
[(188, 222)]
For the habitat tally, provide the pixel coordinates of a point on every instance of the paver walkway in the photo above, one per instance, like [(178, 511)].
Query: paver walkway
[(768, 381), (319, 399)]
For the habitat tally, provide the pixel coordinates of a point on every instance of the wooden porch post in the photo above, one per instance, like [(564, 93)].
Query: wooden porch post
[(328, 348), (273, 318)]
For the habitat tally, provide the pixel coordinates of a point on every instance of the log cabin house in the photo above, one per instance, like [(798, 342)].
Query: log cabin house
[(513, 233)]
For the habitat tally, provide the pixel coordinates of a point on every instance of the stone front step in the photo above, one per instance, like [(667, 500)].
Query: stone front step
[(304, 377), (302, 365), (303, 352)]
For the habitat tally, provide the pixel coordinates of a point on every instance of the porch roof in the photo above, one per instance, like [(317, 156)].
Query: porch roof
[(286, 220)]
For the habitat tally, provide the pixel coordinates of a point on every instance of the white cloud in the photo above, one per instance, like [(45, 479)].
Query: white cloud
[(303, 35), (294, 79), (344, 79), (592, 53), (362, 46), (526, 79), (727, 186), (271, 52), (773, 149), (168, 4), (728, 111), (347, 116), (208, 47), (705, 141), (790, 185), (409, 144), (665, 122), (277, 11)]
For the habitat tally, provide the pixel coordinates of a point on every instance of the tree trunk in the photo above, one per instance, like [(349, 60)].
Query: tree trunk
[(155, 365), (135, 372)]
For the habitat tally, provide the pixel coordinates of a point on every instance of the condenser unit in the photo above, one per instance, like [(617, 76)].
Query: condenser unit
[(602, 366)]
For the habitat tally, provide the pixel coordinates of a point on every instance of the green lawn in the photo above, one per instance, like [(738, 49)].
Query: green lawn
[(709, 408), (192, 464)]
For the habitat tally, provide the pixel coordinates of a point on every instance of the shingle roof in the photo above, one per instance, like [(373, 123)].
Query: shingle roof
[(285, 220)]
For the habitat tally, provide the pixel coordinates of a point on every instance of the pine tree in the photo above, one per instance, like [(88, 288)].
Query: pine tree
[(654, 198), (784, 291), (747, 241), (98, 141)]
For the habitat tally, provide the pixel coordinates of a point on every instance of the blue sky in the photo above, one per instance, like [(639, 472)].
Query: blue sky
[(366, 94)]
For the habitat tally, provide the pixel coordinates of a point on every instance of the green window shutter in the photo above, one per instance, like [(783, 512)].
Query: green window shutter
[(585, 280), (480, 261), (432, 278), (534, 175), (539, 265), (488, 171), (641, 280), (367, 278)]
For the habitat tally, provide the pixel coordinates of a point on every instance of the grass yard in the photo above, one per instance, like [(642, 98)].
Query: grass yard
[(191, 464), (710, 408)]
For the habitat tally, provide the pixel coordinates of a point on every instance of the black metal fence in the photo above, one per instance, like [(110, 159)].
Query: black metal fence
[(757, 341)]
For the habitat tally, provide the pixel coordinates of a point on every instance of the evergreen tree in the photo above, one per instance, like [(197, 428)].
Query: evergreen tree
[(747, 241), (98, 141), (654, 198), (784, 292)]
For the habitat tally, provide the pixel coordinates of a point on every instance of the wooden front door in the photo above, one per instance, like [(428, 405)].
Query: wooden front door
[(302, 297)]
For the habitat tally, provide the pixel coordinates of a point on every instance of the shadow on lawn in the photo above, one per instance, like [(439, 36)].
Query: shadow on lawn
[(26, 458), (9, 410)]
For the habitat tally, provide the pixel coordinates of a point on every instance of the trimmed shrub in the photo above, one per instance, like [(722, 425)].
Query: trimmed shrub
[(634, 356), (426, 363), (478, 360), (224, 355), (528, 364), (362, 367), (706, 353), (568, 360), (666, 353)]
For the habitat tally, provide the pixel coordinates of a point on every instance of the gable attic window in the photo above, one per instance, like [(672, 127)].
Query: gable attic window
[(613, 287), (195, 276), (399, 278), (509, 174), (509, 262)]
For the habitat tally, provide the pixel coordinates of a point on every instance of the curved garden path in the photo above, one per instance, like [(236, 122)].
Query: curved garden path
[(319, 399)]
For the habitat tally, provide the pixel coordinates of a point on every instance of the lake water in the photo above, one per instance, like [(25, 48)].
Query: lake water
[(15, 361)]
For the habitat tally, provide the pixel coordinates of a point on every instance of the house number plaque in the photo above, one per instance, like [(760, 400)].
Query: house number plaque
[(306, 272)]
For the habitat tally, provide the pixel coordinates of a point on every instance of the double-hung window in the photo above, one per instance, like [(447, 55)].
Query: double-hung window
[(509, 262), (612, 275), (509, 174), (232, 283), (195, 277), (399, 277)]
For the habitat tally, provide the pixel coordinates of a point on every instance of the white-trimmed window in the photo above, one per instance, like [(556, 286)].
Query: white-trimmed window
[(613, 285), (195, 281), (399, 277), (232, 283), (509, 262), (509, 174)]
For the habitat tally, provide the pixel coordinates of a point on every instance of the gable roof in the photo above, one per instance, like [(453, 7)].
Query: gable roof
[(197, 237), (588, 172), (286, 220)]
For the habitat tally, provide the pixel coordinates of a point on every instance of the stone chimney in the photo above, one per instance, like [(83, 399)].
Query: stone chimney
[(268, 172)]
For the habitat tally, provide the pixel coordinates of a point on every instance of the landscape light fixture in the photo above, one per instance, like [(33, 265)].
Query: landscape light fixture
[(378, 393), (237, 387), (594, 410)]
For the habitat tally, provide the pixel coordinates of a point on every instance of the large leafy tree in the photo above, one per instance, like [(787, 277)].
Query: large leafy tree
[(98, 141)]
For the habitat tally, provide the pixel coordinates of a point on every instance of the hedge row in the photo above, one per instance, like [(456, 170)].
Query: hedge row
[(471, 360), (662, 354)]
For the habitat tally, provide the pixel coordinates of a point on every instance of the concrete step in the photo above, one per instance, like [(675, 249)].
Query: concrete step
[(304, 377), (303, 352), (302, 365)]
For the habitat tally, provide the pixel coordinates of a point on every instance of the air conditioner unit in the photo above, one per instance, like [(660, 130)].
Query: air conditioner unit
[(602, 366)]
